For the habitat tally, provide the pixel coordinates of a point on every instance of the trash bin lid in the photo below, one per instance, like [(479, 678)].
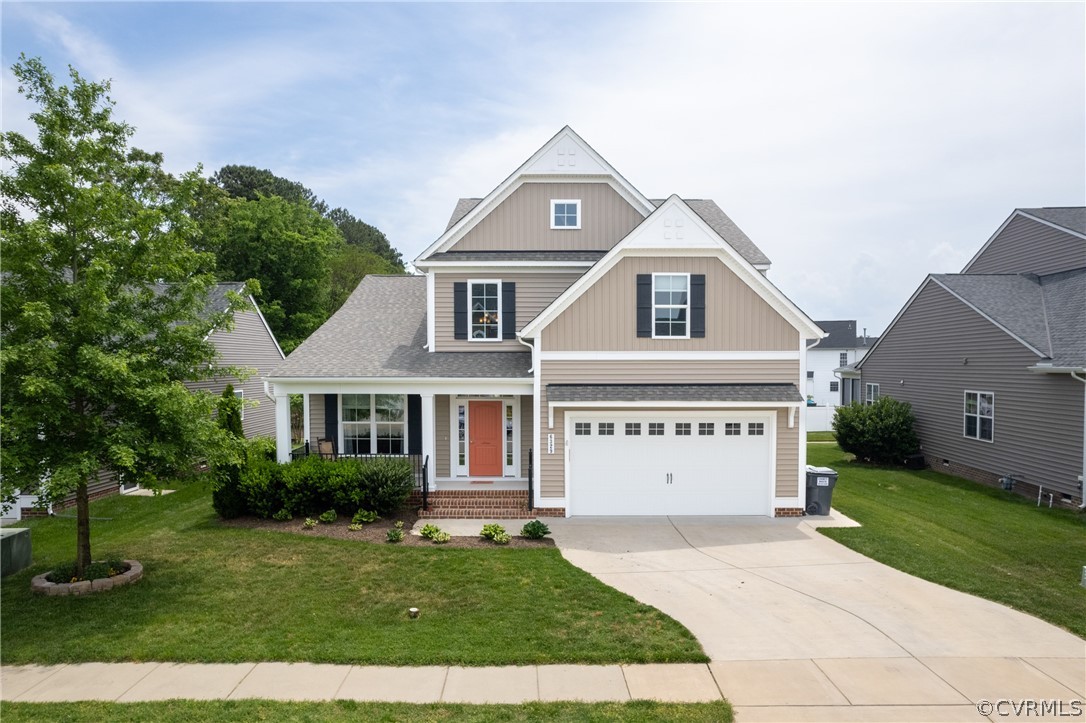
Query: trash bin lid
[(820, 470)]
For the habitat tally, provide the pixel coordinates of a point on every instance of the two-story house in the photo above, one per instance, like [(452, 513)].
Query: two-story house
[(993, 359), (829, 363), (573, 348)]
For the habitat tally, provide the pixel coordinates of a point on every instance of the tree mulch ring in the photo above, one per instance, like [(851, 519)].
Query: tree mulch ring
[(377, 531)]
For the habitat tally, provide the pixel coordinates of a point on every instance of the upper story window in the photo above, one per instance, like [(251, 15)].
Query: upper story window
[(670, 305), (566, 214), (980, 415), (844, 359), (485, 310)]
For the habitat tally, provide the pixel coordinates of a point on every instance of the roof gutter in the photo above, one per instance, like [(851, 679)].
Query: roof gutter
[(1048, 369)]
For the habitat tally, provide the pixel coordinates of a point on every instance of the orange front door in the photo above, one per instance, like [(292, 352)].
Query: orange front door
[(485, 443)]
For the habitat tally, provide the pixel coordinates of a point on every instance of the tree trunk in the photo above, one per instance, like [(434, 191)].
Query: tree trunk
[(82, 529)]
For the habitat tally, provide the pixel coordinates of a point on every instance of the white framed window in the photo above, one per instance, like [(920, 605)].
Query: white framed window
[(565, 214), (980, 416), (872, 395), (810, 375), (833, 386), (239, 394), (844, 359), (485, 310), (462, 435), (509, 451), (670, 306), (373, 423)]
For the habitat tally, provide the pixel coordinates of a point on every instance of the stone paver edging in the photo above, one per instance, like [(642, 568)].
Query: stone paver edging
[(85, 587)]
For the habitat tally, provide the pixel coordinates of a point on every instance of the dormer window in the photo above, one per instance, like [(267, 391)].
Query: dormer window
[(565, 214)]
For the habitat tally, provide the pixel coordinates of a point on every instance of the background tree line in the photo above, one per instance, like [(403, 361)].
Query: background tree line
[(306, 257)]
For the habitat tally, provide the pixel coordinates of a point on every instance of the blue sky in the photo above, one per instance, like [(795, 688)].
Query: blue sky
[(860, 145)]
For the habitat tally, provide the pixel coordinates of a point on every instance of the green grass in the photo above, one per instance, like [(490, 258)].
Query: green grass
[(821, 437), (213, 593), (987, 542), (180, 711)]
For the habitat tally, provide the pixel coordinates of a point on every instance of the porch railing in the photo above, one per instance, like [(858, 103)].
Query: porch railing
[(419, 464), (531, 481)]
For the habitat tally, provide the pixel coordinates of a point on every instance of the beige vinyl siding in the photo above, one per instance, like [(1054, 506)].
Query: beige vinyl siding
[(316, 420), (249, 345), (551, 466), (938, 349), (535, 291), (604, 317), (442, 436), (522, 222), (1027, 246)]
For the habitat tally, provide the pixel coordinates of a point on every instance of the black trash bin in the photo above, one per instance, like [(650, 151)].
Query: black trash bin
[(820, 484)]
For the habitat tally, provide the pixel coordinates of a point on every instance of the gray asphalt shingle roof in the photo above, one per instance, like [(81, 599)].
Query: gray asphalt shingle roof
[(1070, 217), (707, 209), (380, 331), (1047, 312), (673, 393)]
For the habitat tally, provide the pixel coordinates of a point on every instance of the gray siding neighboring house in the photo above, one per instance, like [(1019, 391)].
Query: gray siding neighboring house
[(1013, 326), (249, 345)]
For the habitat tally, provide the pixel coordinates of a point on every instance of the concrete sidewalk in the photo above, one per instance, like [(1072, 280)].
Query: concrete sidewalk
[(874, 689)]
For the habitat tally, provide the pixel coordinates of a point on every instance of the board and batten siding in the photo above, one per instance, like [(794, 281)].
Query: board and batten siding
[(1028, 246), (604, 317), (522, 222), (248, 345), (938, 349), (534, 292), (551, 466)]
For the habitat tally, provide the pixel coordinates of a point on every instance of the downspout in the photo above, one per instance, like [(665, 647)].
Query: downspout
[(1082, 483)]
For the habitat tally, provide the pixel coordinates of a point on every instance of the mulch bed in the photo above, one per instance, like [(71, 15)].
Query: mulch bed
[(376, 531)]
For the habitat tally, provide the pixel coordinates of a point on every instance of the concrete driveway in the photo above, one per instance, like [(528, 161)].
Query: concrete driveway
[(790, 617)]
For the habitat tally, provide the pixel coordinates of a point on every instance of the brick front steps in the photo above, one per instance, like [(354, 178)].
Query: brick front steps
[(482, 504)]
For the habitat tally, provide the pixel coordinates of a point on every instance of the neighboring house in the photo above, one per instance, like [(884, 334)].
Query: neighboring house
[(250, 345), (826, 359), (993, 359), (574, 348)]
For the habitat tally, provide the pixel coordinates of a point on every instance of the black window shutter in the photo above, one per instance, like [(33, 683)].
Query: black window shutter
[(644, 305), (460, 310), (697, 306), (331, 419), (414, 424), (509, 310)]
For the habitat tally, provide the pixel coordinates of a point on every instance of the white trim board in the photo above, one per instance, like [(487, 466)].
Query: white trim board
[(670, 356), (604, 406)]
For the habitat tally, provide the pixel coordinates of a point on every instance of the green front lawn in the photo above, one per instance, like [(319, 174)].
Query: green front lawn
[(183, 711), (821, 437), (983, 541), (213, 593)]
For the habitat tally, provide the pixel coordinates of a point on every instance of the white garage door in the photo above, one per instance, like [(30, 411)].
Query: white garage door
[(670, 464)]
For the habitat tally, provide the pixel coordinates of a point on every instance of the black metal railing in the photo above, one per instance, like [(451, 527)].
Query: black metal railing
[(425, 483), (419, 464), (531, 481)]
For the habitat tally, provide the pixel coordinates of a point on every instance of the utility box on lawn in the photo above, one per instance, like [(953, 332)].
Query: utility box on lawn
[(14, 549), (820, 484)]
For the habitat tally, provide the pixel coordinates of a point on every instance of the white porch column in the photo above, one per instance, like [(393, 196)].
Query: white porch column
[(282, 427), (428, 437), (305, 419)]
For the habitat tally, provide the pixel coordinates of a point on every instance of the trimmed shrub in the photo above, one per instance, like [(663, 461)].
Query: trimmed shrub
[(261, 484), (386, 484), (535, 530), (227, 496), (881, 433)]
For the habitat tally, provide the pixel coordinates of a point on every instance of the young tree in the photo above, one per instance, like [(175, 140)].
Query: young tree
[(102, 311)]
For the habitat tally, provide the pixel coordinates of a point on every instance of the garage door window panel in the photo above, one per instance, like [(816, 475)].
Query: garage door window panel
[(633, 429), (656, 429)]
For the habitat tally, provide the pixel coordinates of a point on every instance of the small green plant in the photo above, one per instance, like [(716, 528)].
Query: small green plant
[(328, 517), (534, 530), (441, 537), (354, 527), (309, 522), (283, 515), (490, 531), (396, 533), (364, 517), (502, 538), (94, 571), (428, 531)]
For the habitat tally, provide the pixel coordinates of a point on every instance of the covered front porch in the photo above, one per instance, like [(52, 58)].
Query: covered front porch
[(473, 436)]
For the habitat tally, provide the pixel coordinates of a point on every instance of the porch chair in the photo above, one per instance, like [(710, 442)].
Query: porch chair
[(326, 449)]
